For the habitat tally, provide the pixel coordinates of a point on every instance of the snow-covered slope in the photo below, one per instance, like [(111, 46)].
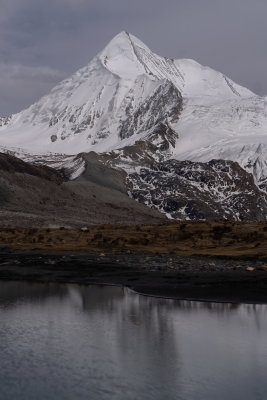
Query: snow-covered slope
[(126, 92), (232, 130), (113, 98)]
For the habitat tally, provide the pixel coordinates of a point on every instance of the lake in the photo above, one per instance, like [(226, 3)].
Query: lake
[(103, 342)]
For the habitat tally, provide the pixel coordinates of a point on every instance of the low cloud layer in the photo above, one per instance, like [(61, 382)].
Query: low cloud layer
[(42, 42)]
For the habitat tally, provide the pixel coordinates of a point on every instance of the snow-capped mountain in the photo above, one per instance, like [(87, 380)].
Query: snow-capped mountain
[(114, 98), (137, 108), (124, 92)]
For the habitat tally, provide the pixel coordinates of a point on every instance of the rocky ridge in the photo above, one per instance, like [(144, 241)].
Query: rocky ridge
[(185, 190)]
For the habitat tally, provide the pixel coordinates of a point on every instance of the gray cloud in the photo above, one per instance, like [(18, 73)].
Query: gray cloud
[(21, 85), (64, 35)]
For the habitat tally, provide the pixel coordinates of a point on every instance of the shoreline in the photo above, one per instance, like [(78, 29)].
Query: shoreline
[(192, 278)]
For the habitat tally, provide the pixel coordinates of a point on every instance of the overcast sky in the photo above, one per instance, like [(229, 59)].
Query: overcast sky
[(42, 42)]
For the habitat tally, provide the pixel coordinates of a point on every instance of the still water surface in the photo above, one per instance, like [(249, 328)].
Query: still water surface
[(77, 342)]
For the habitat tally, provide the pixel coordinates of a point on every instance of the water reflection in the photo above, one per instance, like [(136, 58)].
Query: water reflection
[(70, 341), (12, 293)]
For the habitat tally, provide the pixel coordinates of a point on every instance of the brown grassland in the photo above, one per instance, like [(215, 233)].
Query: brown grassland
[(217, 239)]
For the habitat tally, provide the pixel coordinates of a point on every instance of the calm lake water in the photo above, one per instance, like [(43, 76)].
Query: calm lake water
[(76, 342)]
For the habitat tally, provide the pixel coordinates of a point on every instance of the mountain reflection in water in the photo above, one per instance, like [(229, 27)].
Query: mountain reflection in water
[(71, 341)]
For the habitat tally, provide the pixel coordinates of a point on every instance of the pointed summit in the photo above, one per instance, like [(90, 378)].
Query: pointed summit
[(120, 55), (123, 41)]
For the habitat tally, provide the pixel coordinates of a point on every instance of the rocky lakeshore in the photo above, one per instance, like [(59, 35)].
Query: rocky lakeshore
[(220, 261), (180, 277)]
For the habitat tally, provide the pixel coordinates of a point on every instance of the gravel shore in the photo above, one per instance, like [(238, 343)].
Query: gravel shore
[(180, 277)]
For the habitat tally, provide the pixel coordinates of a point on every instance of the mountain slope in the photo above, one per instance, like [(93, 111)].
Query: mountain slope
[(234, 130), (113, 98), (122, 94), (199, 191), (138, 109), (38, 196)]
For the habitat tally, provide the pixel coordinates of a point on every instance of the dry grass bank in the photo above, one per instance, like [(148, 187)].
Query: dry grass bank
[(191, 238)]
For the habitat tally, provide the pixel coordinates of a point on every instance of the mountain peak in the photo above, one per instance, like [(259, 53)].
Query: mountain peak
[(124, 40), (122, 95), (120, 56)]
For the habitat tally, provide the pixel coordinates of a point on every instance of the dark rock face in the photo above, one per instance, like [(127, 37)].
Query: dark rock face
[(199, 191), (5, 120), (165, 103), (143, 153), (163, 137)]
